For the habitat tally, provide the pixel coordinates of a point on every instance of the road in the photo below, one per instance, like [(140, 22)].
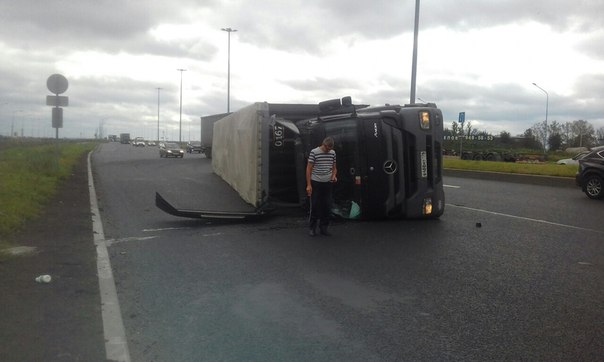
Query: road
[(509, 272)]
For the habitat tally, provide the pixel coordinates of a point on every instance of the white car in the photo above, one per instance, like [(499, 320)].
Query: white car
[(139, 142), (574, 160)]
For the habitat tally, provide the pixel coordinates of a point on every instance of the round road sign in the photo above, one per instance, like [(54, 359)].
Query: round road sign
[(57, 83)]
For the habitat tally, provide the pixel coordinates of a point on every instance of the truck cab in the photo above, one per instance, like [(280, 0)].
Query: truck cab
[(389, 159)]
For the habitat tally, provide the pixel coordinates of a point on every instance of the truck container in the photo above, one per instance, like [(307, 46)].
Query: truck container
[(207, 132), (389, 158), (125, 138)]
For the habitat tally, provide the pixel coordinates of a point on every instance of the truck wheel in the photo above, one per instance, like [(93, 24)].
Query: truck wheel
[(208, 152), (478, 157), (593, 187)]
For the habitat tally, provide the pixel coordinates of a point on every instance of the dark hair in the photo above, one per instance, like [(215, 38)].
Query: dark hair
[(328, 141)]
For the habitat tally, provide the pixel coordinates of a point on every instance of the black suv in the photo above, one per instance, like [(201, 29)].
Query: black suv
[(590, 176), (194, 146)]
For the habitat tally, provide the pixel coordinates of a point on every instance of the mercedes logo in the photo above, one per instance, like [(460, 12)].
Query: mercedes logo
[(390, 167)]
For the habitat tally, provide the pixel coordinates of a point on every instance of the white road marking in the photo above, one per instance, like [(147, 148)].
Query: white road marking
[(109, 242), (213, 234), (526, 219), (452, 186), (163, 229), (116, 344)]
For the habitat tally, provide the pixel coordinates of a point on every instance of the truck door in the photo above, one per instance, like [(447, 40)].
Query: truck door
[(346, 192), (383, 182)]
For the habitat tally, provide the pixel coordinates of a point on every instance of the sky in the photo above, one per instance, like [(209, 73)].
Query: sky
[(480, 57)]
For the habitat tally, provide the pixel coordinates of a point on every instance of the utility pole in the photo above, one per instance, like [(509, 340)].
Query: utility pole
[(158, 89), (180, 122), (229, 30), (546, 111), (414, 65)]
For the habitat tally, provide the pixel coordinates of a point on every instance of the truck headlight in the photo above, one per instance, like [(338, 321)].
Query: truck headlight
[(424, 119), (427, 206)]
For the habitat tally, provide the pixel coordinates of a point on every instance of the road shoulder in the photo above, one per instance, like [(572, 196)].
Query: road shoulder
[(60, 320)]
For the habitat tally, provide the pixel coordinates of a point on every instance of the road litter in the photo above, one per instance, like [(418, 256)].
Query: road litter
[(42, 279), (20, 250)]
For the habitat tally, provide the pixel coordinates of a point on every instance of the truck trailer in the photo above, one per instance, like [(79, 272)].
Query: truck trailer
[(125, 138), (389, 158)]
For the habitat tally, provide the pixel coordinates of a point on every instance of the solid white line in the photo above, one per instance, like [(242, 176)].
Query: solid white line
[(527, 219), (452, 186), (116, 344), (164, 229)]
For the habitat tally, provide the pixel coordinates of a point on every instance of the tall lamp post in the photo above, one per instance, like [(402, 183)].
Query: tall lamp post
[(229, 31), (414, 63), (180, 119), (546, 110), (158, 89)]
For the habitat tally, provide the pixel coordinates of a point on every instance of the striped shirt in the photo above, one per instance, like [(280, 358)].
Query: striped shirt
[(322, 164)]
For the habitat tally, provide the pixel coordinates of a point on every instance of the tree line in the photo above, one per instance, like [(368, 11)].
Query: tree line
[(557, 136)]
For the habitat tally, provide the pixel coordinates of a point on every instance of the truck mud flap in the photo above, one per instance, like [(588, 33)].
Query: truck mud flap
[(164, 205)]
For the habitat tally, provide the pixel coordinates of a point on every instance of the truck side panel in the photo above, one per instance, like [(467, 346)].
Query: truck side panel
[(239, 149)]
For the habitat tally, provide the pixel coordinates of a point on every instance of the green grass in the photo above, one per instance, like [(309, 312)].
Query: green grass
[(30, 173), (543, 169)]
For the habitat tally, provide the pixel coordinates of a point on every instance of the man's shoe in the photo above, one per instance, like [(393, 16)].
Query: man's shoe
[(325, 232), (312, 232)]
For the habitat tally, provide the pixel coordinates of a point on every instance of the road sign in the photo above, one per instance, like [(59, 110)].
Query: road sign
[(462, 117), (57, 83), (57, 117), (57, 101)]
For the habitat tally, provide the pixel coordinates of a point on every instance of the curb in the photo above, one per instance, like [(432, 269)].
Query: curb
[(510, 177)]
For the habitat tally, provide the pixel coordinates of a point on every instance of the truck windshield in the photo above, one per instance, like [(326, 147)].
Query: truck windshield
[(345, 195)]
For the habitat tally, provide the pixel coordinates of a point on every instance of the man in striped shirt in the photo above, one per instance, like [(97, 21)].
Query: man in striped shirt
[(321, 173)]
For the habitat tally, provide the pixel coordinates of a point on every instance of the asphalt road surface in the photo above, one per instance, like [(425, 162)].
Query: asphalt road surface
[(509, 272)]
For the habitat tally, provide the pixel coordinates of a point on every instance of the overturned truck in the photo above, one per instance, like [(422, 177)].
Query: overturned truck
[(389, 158)]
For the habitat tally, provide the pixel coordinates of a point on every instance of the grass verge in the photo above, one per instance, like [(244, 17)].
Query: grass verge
[(542, 169), (30, 173)]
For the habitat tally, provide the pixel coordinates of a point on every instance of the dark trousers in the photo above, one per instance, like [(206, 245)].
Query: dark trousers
[(320, 204)]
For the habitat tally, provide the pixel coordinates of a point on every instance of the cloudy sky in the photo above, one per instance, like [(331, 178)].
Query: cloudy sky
[(476, 56)]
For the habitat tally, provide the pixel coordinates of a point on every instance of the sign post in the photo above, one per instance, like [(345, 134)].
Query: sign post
[(57, 84), (461, 120)]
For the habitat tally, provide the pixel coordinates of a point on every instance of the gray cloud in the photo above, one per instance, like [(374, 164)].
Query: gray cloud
[(40, 33)]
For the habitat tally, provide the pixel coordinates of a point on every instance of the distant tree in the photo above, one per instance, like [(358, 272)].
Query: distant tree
[(455, 128), (600, 134), (530, 141), (567, 134), (584, 134), (469, 130), (539, 132), (505, 138), (555, 142)]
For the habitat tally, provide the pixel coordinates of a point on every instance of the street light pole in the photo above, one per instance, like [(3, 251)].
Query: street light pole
[(158, 89), (229, 31), (546, 111), (180, 122), (414, 64)]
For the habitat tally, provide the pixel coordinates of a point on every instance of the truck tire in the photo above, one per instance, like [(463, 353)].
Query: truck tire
[(208, 152), (477, 157), (493, 156), (593, 187)]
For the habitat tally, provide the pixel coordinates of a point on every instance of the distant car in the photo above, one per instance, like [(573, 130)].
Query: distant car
[(194, 146), (170, 149), (150, 143), (590, 176), (574, 160), (139, 142)]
